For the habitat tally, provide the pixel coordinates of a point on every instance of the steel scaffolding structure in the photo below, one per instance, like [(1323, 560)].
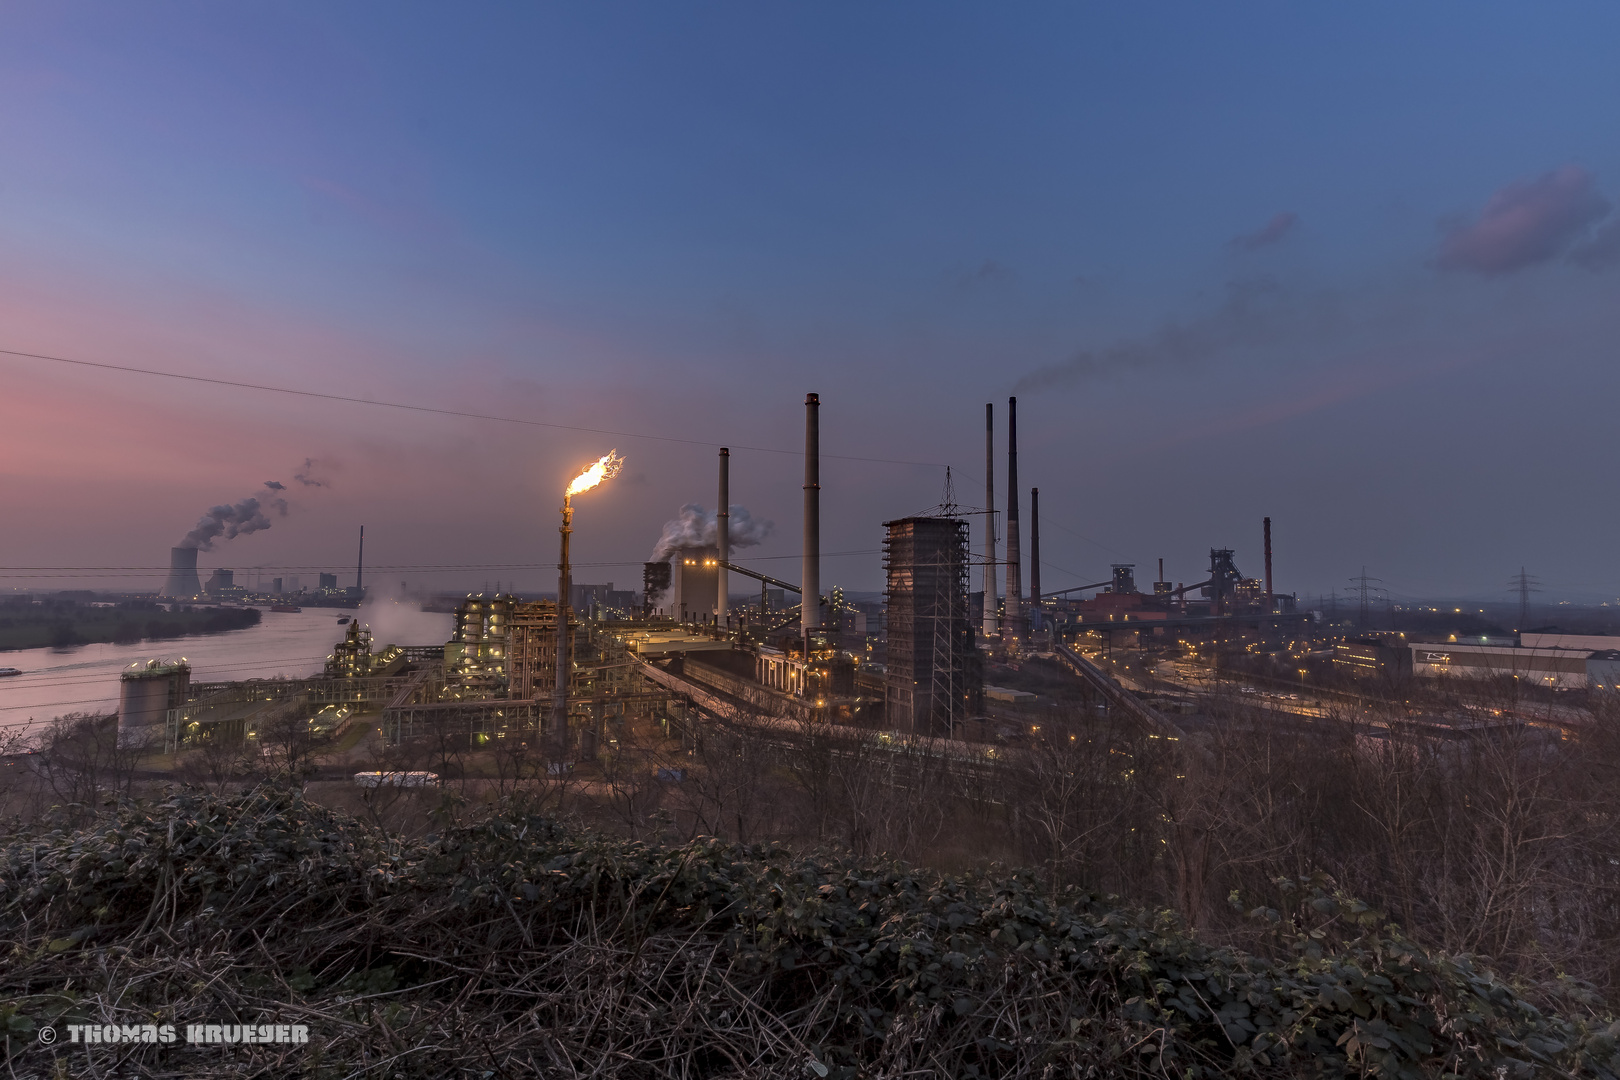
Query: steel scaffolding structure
[(932, 676)]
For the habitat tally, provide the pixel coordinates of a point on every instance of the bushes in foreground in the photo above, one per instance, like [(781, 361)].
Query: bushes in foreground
[(516, 945)]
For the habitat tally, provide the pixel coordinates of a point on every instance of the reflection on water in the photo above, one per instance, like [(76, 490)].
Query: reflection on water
[(84, 678)]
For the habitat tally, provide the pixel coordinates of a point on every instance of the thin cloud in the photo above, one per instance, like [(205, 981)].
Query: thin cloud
[(1602, 251), (1526, 223), (1271, 232)]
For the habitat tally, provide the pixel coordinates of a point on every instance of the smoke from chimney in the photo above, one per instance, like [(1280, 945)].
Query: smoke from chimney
[(696, 527), (227, 521)]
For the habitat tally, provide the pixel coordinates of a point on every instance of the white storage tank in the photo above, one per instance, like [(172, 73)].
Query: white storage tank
[(146, 693)]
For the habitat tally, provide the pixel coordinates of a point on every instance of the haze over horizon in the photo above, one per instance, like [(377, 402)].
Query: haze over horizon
[(1357, 270)]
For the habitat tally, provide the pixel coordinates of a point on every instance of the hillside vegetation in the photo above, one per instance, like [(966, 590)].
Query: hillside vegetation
[(516, 945)]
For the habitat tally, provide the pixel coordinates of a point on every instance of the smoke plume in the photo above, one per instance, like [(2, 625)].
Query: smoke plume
[(1258, 313), (230, 520), (696, 527), (306, 473)]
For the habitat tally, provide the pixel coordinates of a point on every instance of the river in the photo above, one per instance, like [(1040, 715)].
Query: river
[(84, 678)]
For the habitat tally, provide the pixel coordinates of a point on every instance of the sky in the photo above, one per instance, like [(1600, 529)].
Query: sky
[(1352, 268)]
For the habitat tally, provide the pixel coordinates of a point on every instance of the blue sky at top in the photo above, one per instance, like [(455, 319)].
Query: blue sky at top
[(682, 217)]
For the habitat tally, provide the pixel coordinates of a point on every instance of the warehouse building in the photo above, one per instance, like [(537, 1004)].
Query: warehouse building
[(1559, 669)]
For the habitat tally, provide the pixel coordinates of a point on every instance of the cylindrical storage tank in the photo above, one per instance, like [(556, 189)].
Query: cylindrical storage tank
[(146, 693)]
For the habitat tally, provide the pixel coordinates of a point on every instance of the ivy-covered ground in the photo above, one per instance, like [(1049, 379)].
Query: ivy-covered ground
[(516, 946)]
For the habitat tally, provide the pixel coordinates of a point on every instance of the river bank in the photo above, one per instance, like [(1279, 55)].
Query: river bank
[(84, 678), (59, 624)]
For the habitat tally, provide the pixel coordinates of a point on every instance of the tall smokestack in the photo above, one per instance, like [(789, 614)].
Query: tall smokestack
[(990, 626), (1034, 558), (183, 582), (810, 572), (722, 535), (360, 565), (1270, 603), (1015, 576)]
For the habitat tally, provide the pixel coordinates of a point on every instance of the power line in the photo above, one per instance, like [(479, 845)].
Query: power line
[(54, 572), (462, 414), (426, 568), (469, 415), (56, 705)]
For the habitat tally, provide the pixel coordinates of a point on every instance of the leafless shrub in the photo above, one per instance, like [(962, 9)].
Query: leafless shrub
[(396, 807), (289, 748), (20, 783), (633, 790), (728, 787), (215, 763), (1078, 796), (82, 758)]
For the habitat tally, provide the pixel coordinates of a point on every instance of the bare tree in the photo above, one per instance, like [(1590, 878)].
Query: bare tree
[(216, 762), (807, 761), (633, 790), (729, 786), (391, 805), (19, 781), (524, 776), (81, 757), (288, 745), (1076, 794)]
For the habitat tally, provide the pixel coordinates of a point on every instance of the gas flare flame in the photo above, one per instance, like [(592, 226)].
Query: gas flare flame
[(605, 467)]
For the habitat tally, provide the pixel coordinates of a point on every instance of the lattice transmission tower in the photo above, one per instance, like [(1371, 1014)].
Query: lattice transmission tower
[(1524, 584)]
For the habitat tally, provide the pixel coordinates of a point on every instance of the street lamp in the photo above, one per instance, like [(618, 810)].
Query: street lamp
[(604, 468)]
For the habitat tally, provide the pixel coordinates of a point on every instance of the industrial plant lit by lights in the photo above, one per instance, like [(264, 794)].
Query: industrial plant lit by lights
[(605, 467)]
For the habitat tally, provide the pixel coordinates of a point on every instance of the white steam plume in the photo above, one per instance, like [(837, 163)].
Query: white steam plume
[(230, 520), (696, 527)]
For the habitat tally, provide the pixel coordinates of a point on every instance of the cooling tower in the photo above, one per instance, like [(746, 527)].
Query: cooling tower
[(183, 583)]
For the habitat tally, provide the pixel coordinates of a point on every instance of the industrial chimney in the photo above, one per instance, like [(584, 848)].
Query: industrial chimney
[(1271, 604), (1034, 558), (1015, 576), (183, 583), (360, 567), (810, 571), (990, 626), (722, 536)]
